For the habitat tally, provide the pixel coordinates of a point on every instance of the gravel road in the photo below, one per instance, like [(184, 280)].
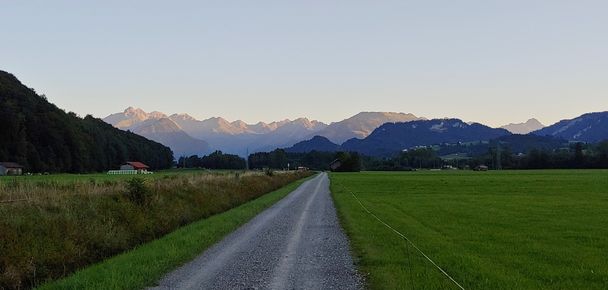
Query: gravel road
[(295, 244)]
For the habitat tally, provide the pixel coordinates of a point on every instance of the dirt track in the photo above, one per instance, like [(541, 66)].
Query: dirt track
[(296, 244)]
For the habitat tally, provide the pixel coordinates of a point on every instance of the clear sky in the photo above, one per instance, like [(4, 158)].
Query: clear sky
[(490, 61)]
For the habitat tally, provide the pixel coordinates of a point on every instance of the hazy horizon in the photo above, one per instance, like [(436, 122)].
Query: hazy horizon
[(493, 63)]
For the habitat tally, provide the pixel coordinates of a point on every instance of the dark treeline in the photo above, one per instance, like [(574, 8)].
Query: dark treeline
[(215, 160), (515, 143), (349, 162), (44, 138), (276, 159), (577, 155), (315, 160), (418, 158)]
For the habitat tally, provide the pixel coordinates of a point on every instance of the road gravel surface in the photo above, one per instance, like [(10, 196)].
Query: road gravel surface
[(295, 244)]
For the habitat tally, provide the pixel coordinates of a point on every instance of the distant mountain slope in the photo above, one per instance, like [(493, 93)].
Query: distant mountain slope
[(524, 128), (518, 143), (591, 127), (515, 144), (168, 133), (361, 125), (158, 127), (286, 135), (317, 143), (43, 137), (394, 137)]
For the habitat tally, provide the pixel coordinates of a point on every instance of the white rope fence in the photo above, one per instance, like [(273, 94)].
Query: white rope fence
[(409, 241)]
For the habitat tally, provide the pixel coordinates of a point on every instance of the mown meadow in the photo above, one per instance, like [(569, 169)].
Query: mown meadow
[(542, 229), (52, 226)]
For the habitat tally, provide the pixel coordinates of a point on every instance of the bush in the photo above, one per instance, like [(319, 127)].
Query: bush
[(268, 172), (137, 191)]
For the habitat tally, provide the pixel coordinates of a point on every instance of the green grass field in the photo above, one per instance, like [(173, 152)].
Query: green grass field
[(488, 230), (100, 177)]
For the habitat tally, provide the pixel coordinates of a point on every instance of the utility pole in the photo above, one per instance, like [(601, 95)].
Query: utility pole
[(498, 159)]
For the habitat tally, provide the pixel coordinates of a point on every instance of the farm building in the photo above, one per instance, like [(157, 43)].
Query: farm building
[(135, 165), (335, 164), (131, 167), (10, 168), (481, 168)]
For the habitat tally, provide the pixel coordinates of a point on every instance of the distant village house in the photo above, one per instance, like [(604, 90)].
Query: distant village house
[(10, 168), (481, 168)]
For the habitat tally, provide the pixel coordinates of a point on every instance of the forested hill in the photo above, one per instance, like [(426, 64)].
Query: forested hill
[(44, 138), (590, 127)]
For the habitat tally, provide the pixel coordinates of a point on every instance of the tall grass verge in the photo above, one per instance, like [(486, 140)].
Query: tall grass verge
[(63, 227), (145, 265)]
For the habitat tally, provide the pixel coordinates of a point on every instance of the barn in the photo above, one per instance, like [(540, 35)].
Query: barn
[(135, 165), (10, 168)]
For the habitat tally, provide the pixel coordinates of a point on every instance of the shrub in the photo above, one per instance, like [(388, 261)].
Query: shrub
[(137, 191), (268, 172)]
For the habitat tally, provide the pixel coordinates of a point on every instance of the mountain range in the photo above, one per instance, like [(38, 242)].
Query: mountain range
[(395, 137), (188, 136), (160, 128), (361, 125), (459, 136), (370, 133)]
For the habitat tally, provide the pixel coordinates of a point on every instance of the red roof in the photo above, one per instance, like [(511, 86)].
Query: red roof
[(138, 165), (11, 165)]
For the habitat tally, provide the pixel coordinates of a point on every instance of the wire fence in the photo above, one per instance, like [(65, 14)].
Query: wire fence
[(413, 270)]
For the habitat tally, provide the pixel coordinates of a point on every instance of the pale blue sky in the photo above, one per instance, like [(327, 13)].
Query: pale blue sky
[(490, 61)]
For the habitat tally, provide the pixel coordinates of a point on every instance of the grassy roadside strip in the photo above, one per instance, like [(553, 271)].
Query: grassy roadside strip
[(146, 264), (347, 218)]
